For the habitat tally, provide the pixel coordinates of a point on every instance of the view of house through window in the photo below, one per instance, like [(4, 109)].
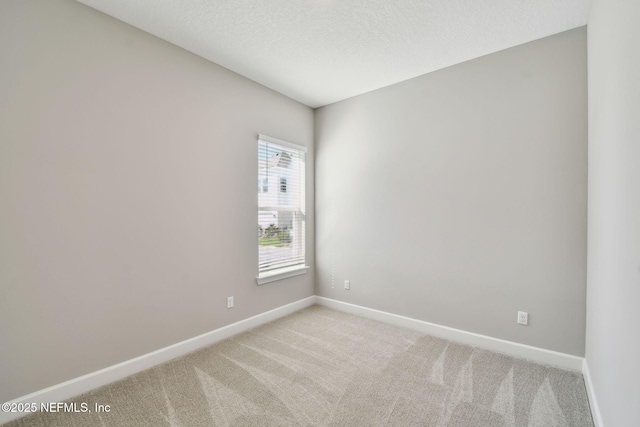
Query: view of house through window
[(281, 202)]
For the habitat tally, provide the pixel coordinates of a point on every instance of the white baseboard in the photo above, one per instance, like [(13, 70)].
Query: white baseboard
[(593, 402), (85, 383), (536, 354)]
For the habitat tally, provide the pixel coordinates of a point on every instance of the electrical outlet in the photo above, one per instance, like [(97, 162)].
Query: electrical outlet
[(229, 302), (347, 285), (523, 318)]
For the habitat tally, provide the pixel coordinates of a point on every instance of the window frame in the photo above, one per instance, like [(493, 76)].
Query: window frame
[(297, 269)]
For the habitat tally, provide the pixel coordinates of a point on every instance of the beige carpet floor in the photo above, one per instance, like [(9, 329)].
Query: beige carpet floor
[(321, 367)]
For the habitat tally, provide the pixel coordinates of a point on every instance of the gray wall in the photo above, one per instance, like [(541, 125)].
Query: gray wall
[(459, 197), (613, 289), (127, 193)]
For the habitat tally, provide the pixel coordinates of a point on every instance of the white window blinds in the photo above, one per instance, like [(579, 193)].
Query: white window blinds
[(281, 205)]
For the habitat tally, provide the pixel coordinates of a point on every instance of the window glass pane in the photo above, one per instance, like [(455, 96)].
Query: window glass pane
[(281, 228)]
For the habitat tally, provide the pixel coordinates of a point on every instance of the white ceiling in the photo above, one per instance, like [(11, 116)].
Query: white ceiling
[(322, 51)]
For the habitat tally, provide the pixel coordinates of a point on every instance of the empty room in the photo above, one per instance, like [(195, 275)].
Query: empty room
[(320, 212)]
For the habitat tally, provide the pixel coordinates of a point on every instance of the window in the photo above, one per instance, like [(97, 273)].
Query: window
[(263, 185), (281, 209)]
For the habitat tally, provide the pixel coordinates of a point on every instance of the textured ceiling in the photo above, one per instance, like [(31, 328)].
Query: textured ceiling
[(322, 51)]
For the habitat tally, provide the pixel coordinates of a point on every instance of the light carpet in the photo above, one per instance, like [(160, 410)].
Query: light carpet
[(320, 367)]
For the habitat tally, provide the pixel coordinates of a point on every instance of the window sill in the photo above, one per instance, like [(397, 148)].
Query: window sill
[(282, 273)]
